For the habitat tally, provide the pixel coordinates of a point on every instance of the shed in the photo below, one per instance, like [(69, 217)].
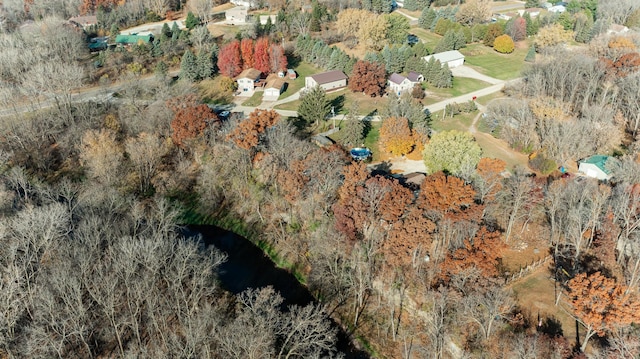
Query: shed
[(452, 58), (327, 80), (291, 73), (133, 39), (595, 167)]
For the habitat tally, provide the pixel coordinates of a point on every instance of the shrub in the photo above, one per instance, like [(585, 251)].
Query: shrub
[(542, 164), (504, 44)]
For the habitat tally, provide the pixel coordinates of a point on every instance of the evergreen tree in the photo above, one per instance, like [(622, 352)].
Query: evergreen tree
[(314, 106), (447, 42), (113, 32), (531, 4), (432, 71), (188, 66), (531, 54), (353, 128), (411, 5), (204, 65), (445, 78), (161, 69), (214, 58), (268, 27), (175, 31), (156, 48), (191, 21), (427, 18), (583, 28), (367, 5), (165, 33)]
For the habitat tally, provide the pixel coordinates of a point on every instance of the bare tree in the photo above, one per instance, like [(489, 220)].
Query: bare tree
[(146, 152), (488, 308), (517, 199)]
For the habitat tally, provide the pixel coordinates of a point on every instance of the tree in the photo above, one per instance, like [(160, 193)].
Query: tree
[(583, 28), (353, 128), (277, 58), (417, 92), (452, 151), (368, 77), (102, 155), (373, 32), (552, 35), (601, 305), (314, 106), (531, 4), (493, 31), (261, 55), (517, 29), (516, 196), (488, 181), (448, 197), (145, 153), (396, 136), (190, 118), (397, 29), (229, 60), (205, 63), (249, 132), (191, 21), (348, 22), (246, 51), (474, 12), (189, 66), (504, 44), (531, 54)]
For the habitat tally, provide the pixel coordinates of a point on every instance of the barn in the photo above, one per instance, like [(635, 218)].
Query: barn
[(452, 58), (327, 80)]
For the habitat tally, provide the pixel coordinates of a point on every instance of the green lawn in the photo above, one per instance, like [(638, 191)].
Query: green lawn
[(484, 100), (342, 101), (501, 66), (430, 39), (460, 122), (371, 141), (461, 86), (254, 100), (303, 70)]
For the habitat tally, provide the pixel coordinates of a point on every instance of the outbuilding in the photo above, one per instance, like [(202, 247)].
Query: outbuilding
[(595, 167), (331, 80), (273, 89), (453, 58)]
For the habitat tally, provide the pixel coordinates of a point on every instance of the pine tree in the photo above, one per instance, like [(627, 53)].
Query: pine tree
[(165, 33), (314, 106), (447, 42), (175, 31), (427, 18), (204, 65), (583, 28), (531, 54), (188, 66), (161, 69), (445, 78), (353, 128), (191, 21)]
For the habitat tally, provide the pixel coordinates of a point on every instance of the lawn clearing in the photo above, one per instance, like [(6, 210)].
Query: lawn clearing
[(303, 70), (225, 31), (493, 147), (342, 101), (460, 122), (254, 100), (535, 293), (501, 66), (461, 86), (429, 38)]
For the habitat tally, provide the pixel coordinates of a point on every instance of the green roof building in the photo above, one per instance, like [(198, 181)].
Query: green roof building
[(595, 167), (133, 39)]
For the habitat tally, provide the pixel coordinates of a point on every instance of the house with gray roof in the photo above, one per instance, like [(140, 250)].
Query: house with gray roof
[(453, 58), (595, 167), (399, 84), (330, 80)]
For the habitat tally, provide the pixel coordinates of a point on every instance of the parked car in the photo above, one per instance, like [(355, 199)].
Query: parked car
[(412, 39)]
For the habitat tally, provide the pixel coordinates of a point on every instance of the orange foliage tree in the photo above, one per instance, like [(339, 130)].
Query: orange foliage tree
[(261, 55), (90, 6), (190, 118), (249, 131), (483, 252), (448, 197), (489, 180), (396, 136), (246, 51), (230, 59), (409, 240), (601, 305)]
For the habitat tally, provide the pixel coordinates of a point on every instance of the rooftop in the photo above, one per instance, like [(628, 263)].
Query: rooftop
[(250, 73), (599, 161), (133, 39), (275, 83), (396, 78), (329, 76), (446, 56)]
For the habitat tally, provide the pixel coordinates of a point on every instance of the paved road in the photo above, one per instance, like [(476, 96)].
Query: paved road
[(511, 6)]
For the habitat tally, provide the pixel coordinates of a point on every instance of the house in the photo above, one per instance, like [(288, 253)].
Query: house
[(595, 167), (245, 3), (247, 80), (236, 15), (399, 84), (533, 12), (557, 9), (265, 18), (291, 73), (452, 58), (133, 39), (84, 21), (327, 80), (274, 88), (415, 77)]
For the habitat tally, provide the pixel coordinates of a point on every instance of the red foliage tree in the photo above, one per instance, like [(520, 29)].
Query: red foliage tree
[(249, 131), (277, 58), (518, 30), (627, 64), (246, 50), (230, 60), (409, 240), (261, 55), (368, 77), (190, 118)]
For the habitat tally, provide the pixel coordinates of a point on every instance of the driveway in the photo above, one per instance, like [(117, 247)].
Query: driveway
[(153, 27), (466, 71)]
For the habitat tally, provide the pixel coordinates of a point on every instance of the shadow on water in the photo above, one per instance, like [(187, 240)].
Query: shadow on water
[(248, 267)]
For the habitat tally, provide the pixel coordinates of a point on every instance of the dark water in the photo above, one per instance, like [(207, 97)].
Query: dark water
[(248, 267)]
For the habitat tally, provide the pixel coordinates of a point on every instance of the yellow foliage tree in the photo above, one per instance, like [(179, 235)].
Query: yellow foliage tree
[(552, 35), (349, 20), (396, 136), (373, 32), (504, 44)]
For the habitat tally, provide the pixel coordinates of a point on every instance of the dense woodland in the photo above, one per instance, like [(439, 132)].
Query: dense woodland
[(93, 193)]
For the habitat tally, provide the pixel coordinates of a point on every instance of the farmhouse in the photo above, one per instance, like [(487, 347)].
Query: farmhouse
[(247, 80), (273, 89), (399, 84), (415, 77), (594, 167), (452, 58), (327, 80), (236, 15)]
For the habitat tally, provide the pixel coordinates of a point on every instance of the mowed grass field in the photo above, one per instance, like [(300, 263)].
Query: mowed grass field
[(491, 63), (303, 70), (343, 100)]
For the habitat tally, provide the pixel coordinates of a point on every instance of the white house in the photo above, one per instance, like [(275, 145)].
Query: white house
[(247, 80), (452, 58), (273, 89), (399, 84), (236, 15), (557, 9), (265, 18), (327, 80), (595, 167), (246, 3), (415, 77)]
